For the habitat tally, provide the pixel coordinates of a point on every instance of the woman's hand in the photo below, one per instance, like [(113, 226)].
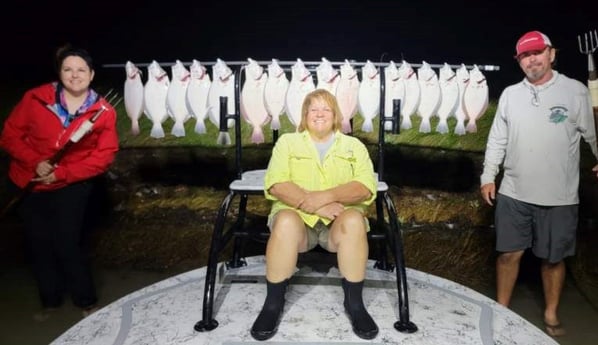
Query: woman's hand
[(331, 211), (47, 179), (44, 168)]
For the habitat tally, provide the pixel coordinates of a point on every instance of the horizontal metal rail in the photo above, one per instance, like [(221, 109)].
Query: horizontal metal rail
[(307, 64)]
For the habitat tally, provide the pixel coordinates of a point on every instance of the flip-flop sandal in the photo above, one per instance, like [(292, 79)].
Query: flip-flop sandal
[(555, 330)]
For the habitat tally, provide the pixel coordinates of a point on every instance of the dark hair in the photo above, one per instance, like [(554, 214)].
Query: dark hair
[(68, 50)]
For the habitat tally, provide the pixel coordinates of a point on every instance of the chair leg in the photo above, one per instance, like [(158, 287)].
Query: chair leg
[(403, 325), (207, 323)]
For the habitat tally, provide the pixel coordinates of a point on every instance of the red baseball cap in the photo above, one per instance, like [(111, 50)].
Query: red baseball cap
[(533, 40)]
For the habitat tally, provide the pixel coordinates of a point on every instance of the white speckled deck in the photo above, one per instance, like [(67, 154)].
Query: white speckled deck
[(165, 313)]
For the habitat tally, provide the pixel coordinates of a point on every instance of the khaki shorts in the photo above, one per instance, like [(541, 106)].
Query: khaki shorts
[(318, 234)]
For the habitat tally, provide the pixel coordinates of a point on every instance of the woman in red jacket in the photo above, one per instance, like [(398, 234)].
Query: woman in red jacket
[(53, 212)]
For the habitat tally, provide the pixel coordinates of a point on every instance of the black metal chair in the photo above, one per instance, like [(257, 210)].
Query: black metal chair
[(384, 229)]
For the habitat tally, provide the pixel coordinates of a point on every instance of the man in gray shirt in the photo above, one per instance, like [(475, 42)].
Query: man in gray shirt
[(536, 136)]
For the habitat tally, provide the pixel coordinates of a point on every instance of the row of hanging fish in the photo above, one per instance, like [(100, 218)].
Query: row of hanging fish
[(267, 95)]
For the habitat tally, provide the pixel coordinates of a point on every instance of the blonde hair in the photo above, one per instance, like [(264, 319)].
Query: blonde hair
[(327, 97)]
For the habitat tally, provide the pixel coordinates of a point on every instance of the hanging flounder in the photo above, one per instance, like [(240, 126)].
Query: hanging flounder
[(394, 88), (412, 93), (460, 114), (133, 94), (450, 95), (253, 107), (430, 95), (369, 95), (301, 84), (328, 76), (223, 85), (275, 92), (197, 95), (154, 98), (175, 98), (347, 93), (475, 98)]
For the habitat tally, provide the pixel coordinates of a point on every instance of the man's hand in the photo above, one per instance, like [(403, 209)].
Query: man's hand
[(489, 192), (595, 170)]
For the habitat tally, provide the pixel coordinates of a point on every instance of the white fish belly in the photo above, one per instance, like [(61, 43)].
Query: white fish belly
[(294, 100), (475, 100), (448, 103), (393, 90), (430, 99), (412, 97), (175, 101), (274, 95), (253, 108), (369, 98), (347, 95), (154, 97), (197, 98), (221, 88), (133, 98)]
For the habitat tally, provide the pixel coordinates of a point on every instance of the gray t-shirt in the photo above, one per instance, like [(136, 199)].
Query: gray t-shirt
[(536, 133)]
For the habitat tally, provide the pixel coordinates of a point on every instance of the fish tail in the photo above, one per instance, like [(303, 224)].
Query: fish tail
[(178, 130), (157, 130), (442, 127), (257, 136), (200, 127), (223, 138), (460, 128), (424, 127), (275, 124), (135, 127), (406, 123), (346, 126), (471, 126), (388, 125)]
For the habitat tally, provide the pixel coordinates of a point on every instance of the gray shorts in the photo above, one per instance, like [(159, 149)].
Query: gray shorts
[(549, 230)]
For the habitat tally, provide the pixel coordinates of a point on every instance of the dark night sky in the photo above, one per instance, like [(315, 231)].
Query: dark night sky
[(435, 31)]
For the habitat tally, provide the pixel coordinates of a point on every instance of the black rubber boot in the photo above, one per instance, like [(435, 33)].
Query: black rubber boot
[(266, 324), (363, 324)]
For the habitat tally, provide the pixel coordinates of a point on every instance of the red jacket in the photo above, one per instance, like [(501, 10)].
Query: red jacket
[(33, 133)]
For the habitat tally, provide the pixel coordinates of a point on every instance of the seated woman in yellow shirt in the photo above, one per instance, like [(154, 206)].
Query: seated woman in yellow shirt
[(321, 182)]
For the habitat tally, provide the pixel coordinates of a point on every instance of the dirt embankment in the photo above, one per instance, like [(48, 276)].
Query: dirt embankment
[(156, 208)]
